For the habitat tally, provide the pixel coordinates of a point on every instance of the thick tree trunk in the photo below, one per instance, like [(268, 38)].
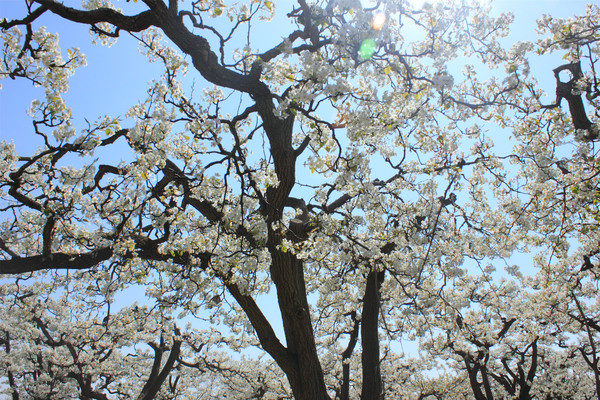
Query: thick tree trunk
[(287, 272), (372, 387), (307, 379)]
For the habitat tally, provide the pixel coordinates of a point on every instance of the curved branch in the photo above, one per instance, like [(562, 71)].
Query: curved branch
[(566, 90), (25, 21), (135, 23), (203, 58)]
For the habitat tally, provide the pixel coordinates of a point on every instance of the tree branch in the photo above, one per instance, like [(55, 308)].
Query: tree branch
[(266, 335), (203, 58), (346, 354), (21, 265), (25, 21), (135, 23), (156, 378)]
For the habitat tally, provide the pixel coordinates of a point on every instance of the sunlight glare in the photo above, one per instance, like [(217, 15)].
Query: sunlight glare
[(378, 21)]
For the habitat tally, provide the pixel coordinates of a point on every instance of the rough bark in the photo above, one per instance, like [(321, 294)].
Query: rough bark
[(568, 91), (372, 387), (158, 375), (346, 354), (21, 265)]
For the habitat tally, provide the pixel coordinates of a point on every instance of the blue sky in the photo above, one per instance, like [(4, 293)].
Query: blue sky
[(116, 77)]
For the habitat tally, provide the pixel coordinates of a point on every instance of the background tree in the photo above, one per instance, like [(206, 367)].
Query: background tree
[(347, 172)]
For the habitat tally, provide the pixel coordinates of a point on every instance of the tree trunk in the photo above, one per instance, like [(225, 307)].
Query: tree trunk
[(307, 380), (372, 387)]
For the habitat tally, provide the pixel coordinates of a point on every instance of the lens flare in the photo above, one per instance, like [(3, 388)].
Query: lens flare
[(367, 49), (378, 21)]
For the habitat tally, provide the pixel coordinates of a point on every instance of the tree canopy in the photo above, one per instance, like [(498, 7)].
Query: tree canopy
[(385, 176)]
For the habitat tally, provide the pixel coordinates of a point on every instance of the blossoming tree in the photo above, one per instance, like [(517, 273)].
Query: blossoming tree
[(371, 174)]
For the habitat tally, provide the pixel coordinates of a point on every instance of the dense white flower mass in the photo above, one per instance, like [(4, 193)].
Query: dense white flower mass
[(313, 200)]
